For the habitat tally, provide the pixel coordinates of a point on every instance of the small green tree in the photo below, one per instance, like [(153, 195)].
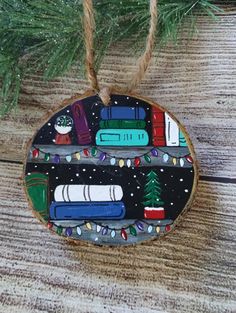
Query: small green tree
[(152, 191)]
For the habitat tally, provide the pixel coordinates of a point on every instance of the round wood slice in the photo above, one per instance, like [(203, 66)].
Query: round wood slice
[(111, 175)]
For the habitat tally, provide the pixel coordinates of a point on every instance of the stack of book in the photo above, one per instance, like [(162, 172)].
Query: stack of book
[(78, 202), (122, 126), (165, 130)]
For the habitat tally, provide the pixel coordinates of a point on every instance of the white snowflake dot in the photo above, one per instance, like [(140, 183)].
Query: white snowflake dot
[(77, 174), (132, 194), (49, 124), (135, 176), (36, 166), (161, 170), (56, 177), (52, 167), (185, 190), (94, 170), (84, 169), (181, 179), (171, 203), (138, 187), (115, 102)]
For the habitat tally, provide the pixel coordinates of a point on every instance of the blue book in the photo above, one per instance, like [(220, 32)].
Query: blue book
[(122, 137), (123, 113), (87, 210)]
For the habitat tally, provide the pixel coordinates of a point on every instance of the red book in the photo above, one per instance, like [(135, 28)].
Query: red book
[(158, 127), (154, 213)]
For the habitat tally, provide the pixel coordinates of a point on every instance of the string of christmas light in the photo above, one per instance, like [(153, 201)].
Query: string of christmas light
[(132, 229), (114, 160)]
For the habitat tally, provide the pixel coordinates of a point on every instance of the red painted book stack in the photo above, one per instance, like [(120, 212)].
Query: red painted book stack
[(158, 127)]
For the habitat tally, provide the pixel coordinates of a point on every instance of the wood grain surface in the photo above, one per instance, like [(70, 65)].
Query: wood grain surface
[(193, 269)]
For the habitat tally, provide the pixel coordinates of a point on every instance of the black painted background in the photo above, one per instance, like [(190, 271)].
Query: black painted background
[(176, 182)]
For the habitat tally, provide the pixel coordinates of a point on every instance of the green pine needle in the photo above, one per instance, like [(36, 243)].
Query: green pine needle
[(48, 35)]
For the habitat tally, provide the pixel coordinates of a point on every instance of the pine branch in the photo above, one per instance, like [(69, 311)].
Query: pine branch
[(49, 35)]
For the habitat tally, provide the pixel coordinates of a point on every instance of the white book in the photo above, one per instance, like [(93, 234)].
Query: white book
[(68, 193), (171, 131)]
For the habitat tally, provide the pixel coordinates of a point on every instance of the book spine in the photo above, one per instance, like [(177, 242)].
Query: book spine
[(87, 193), (182, 140), (158, 127), (122, 137), (171, 131), (37, 188), (126, 124), (123, 112), (81, 124), (83, 210)]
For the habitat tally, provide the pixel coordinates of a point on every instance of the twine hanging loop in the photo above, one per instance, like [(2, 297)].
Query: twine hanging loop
[(143, 61)]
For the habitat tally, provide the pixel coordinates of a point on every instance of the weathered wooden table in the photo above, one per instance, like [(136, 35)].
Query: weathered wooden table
[(193, 269)]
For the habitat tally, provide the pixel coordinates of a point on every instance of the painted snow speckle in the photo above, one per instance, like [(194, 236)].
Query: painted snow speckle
[(110, 175)]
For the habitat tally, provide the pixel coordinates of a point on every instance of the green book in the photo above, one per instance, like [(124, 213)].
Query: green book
[(125, 124), (37, 187)]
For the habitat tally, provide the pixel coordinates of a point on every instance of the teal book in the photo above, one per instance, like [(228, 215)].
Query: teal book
[(122, 137), (182, 140)]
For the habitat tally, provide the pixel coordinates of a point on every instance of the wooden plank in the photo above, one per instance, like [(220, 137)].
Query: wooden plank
[(190, 270), (196, 81)]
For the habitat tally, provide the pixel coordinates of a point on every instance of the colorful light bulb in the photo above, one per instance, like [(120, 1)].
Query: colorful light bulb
[(137, 161), (102, 156), (121, 163), (94, 151), (154, 152), (86, 152), (47, 157), (68, 231), (189, 158), (68, 158), (56, 158), (147, 158), (123, 234), (35, 153), (139, 225), (132, 230), (112, 161)]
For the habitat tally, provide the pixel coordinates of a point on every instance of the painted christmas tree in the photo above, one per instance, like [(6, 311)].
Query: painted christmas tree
[(152, 198)]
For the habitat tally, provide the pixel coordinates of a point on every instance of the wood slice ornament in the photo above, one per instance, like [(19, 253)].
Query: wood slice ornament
[(115, 175), (111, 167)]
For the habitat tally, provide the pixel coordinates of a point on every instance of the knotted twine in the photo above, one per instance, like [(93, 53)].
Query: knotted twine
[(143, 61)]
